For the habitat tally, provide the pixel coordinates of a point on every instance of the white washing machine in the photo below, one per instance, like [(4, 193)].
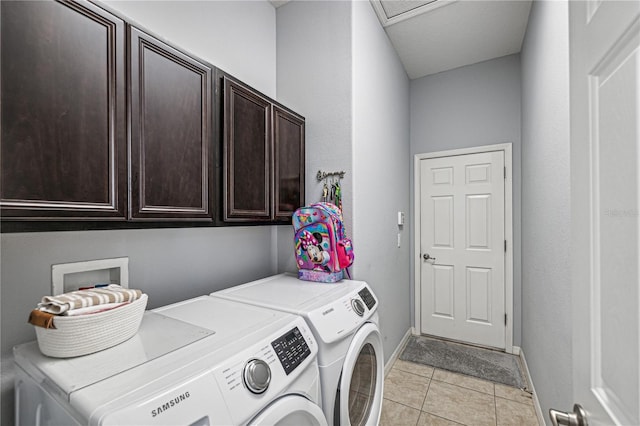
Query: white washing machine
[(344, 320), (200, 362)]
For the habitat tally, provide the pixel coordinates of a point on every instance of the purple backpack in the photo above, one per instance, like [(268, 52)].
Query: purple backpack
[(323, 252)]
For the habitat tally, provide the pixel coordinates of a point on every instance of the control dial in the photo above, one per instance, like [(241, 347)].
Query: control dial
[(256, 375), (357, 306)]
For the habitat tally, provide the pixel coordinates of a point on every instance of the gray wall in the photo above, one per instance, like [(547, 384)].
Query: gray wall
[(472, 106), (314, 63), (168, 264), (237, 36), (357, 121), (546, 242), (314, 78), (380, 172)]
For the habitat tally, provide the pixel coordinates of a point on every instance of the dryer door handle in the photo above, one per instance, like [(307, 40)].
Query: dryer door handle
[(368, 342)]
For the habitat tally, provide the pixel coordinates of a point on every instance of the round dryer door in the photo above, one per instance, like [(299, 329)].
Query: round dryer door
[(361, 383), (291, 410)]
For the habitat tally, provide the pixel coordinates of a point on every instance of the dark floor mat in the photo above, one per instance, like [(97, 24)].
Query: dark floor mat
[(464, 359)]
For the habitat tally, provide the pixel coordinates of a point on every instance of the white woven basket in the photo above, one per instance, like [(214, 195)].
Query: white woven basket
[(86, 334)]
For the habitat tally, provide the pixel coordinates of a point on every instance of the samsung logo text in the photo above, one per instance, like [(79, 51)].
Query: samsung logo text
[(169, 404)]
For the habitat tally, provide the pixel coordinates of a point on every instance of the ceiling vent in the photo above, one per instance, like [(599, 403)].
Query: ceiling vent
[(278, 3), (393, 11)]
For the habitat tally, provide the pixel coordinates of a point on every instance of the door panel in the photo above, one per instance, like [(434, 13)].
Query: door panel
[(63, 142), (462, 230), (478, 284), (478, 217), (443, 231), (170, 132), (605, 139), (247, 154), (443, 291), (288, 147)]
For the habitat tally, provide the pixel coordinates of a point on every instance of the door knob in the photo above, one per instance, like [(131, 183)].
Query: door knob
[(427, 257), (577, 418)]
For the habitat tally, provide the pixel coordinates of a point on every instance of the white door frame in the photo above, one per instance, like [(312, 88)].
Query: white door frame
[(508, 230)]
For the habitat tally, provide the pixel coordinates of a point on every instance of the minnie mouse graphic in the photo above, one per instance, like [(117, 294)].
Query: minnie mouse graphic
[(312, 244)]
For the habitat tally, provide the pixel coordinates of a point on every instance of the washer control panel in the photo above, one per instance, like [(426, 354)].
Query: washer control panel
[(291, 349), (251, 377)]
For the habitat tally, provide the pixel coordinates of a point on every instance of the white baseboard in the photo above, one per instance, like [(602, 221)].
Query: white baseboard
[(534, 395), (394, 356)]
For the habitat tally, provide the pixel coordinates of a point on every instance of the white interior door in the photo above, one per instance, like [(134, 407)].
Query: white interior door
[(605, 147), (462, 248)]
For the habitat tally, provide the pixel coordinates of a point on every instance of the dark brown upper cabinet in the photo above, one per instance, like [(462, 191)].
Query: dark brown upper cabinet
[(263, 157), (289, 160), (104, 122), (171, 133), (63, 140), (247, 156)]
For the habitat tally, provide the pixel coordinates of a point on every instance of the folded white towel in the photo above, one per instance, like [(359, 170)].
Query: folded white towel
[(86, 298), (93, 309)]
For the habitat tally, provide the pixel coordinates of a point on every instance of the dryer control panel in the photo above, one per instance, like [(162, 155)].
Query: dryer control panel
[(291, 349), (344, 315), (367, 298)]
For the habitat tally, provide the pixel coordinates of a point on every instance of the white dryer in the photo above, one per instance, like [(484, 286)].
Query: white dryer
[(200, 362), (343, 317)]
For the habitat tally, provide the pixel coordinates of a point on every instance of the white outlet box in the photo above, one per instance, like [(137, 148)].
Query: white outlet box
[(67, 277)]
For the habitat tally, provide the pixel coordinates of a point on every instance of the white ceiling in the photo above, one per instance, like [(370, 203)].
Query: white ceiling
[(439, 35), (432, 36)]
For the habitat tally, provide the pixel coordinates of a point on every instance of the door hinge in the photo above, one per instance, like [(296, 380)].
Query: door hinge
[(505, 246), (505, 172), (505, 319)]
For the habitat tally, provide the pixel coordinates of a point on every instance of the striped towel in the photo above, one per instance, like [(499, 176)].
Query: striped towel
[(78, 299)]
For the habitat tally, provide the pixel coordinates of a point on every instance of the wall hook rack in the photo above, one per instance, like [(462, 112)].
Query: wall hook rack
[(323, 175)]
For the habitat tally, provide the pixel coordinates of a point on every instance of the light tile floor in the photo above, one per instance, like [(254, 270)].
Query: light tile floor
[(419, 395)]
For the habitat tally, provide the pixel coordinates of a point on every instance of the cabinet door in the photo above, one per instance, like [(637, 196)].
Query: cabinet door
[(247, 177), (170, 132), (288, 145), (63, 143)]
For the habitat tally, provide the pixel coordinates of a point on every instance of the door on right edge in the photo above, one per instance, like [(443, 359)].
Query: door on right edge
[(604, 41), (462, 248)]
